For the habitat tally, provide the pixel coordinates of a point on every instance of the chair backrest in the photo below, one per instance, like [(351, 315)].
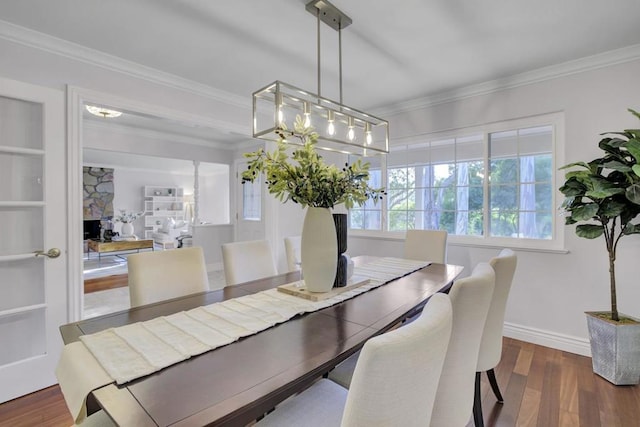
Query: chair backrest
[(470, 298), (161, 275), (426, 245), (397, 373), (292, 250), (246, 261), (491, 345)]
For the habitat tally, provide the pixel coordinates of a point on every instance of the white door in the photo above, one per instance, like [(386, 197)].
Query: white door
[(33, 295), (249, 207)]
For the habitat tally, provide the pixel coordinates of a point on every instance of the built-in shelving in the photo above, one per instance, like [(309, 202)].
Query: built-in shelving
[(161, 203)]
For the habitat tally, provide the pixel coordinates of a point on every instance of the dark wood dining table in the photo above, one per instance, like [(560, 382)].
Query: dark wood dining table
[(237, 383)]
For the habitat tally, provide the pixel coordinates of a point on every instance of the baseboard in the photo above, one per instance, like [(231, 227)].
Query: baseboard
[(555, 340)]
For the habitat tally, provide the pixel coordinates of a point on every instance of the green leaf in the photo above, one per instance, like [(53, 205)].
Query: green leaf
[(633, 193), (631, 229), (584, 212), (611, 208), (612, 145), (573, 188), (634, 112), (603, 193), (568, 220), (633, 145), (570, 165), (636, 169), (589, 231), (616, 165)]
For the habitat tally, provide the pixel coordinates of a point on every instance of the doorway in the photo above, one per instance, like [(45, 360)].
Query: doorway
[(158, 133)]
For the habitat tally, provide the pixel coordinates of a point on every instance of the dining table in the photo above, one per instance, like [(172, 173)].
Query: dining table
[(240, 382)]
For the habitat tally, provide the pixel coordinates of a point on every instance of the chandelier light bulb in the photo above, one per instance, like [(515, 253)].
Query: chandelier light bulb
[(351, 135), (307, 114), (367, 133), (280, 106), (331, 129)]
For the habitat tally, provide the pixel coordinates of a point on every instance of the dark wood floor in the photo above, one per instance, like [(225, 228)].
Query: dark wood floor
[(542, 387)]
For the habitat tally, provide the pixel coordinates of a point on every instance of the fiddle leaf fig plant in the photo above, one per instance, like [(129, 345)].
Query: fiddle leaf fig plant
[(603, 196)]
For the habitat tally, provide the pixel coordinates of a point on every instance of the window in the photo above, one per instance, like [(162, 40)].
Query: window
[(252, 200), (488, 183), (369, 215)]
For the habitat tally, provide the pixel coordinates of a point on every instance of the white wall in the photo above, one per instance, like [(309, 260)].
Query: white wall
[(214, 198), (551, 290)]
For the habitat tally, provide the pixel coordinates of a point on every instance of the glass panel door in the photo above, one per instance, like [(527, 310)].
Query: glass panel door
[(32, 205)]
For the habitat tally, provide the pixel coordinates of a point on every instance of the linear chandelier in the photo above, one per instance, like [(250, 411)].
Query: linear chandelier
[(340, 128)]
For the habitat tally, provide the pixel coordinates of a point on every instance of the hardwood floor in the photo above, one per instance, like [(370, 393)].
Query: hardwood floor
[(104, 283), (542, 387)]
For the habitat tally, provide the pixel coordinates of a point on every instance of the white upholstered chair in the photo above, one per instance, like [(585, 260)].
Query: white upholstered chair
[(161, 275), (246, 261), (292, 250), (490, 352), (426, 245), (393, 385), (470, 298), (97, 419), (423, 245)]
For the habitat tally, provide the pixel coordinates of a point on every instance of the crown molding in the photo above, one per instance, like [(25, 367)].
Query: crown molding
[(38, 40), (588, 63), (54, 45), (153, 134)]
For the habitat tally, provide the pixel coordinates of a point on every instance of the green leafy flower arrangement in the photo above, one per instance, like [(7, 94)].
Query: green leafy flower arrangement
[(305, 178)]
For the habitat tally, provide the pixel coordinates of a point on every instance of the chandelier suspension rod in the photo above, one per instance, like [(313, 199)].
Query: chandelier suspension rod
[(318, 37), (340, 60)]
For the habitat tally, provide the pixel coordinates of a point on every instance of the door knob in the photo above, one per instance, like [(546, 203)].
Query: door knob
[(52, 253)]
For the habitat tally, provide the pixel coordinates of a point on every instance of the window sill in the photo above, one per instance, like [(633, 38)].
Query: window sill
[(469, 242)]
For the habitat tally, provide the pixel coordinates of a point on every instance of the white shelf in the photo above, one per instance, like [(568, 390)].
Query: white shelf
[(161, 203)]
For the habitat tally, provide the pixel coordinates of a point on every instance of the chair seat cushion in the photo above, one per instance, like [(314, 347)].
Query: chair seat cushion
[(163, 237), (322, 404)]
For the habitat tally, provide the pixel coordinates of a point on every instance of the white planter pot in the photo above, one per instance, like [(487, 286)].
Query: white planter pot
[(127, 229), (615, 349), (319, 250)]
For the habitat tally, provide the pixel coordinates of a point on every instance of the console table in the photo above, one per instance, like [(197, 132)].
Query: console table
[(101, 247)]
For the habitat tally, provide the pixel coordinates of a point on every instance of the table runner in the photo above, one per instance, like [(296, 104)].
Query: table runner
[(133, 351)]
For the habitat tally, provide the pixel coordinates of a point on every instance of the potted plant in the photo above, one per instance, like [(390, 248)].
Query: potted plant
[(603, 198), (304, 178), (127, 218)]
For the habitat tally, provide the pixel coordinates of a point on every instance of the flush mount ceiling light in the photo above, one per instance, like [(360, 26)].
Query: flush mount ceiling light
[(340, 128), (105, 113)]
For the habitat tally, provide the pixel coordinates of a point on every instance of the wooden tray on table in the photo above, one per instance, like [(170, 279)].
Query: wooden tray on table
[(298, 289)]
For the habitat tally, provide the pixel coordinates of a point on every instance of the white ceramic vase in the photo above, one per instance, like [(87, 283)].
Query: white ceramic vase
[(319, 250), (127, 229)]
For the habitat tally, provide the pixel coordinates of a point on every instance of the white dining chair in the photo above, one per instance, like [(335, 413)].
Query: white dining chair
[(490, 352), (470, 298), (97, 419), (426, 245), (384, 391), (246, 261), (292, 251), (162, 275)]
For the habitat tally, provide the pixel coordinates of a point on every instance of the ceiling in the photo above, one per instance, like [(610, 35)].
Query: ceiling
[(393, 52)]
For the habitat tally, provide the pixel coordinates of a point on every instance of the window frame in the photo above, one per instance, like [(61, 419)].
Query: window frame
[(555, 243)]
